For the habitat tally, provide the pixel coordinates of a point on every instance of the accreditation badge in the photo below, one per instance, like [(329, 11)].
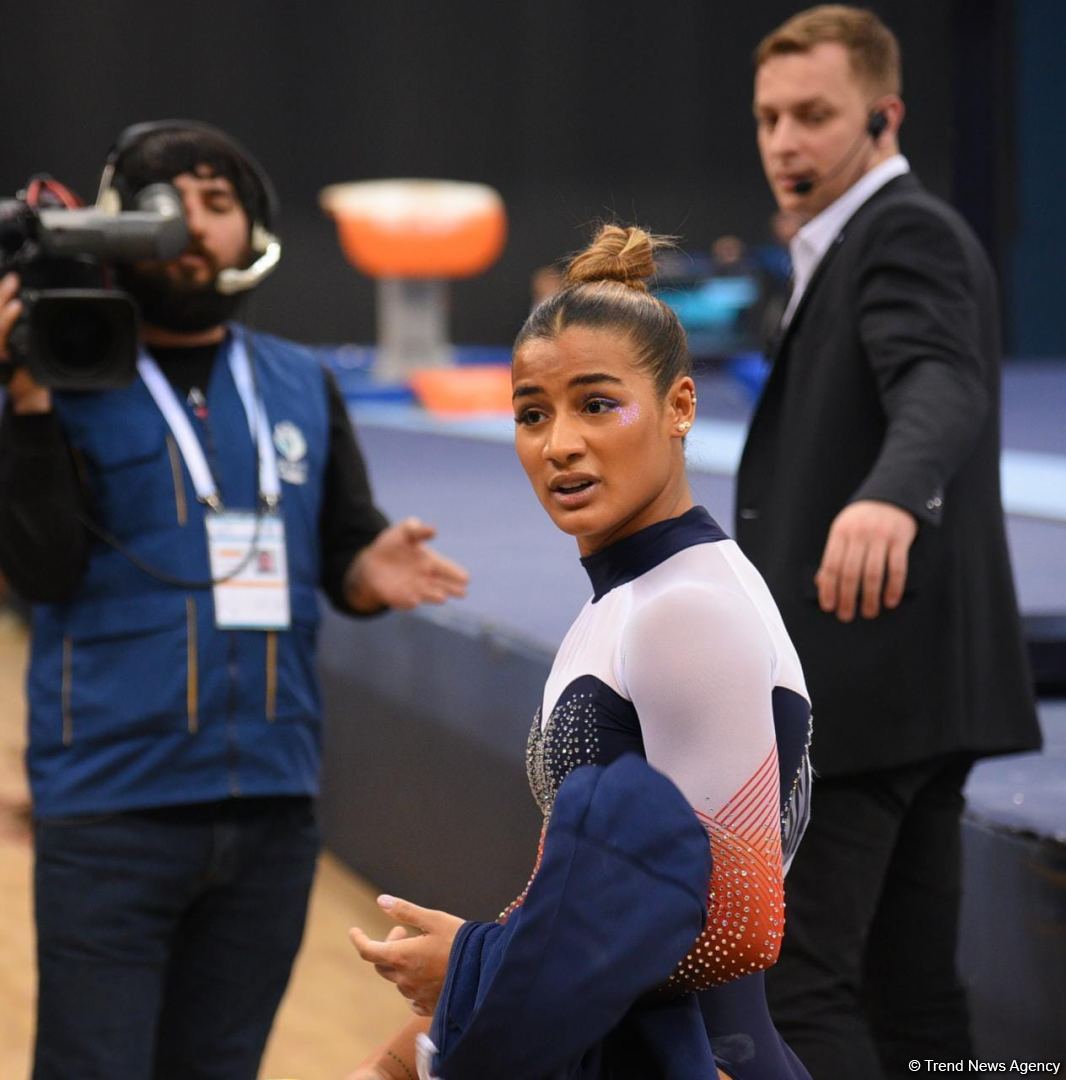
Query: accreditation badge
[(249, 553)]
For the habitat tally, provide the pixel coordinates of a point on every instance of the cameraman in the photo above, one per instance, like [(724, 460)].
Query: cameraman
[(174, 720)]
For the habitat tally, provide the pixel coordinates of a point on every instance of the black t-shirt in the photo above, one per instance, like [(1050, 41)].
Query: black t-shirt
[(44, 544)]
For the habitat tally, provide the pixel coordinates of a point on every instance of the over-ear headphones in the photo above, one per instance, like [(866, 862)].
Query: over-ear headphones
[(265, 245), (876, 124)]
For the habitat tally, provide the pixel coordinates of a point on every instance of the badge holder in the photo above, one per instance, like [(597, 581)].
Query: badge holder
[(247, 553)]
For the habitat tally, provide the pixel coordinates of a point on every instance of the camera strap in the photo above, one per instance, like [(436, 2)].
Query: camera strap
[(189, 445)]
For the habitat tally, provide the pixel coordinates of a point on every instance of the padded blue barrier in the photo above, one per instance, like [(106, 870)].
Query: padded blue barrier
[(1012, 951)]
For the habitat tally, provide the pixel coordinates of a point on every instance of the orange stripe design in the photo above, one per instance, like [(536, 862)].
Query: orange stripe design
[(519, 900), (746, 895)]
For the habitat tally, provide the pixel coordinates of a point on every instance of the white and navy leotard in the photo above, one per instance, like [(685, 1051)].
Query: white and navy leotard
[(681, 656)]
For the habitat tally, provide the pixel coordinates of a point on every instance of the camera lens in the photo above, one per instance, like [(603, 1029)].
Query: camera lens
[(83, 339)]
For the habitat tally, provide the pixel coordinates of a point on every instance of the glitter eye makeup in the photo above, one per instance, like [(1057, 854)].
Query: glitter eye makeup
[(629, 414)]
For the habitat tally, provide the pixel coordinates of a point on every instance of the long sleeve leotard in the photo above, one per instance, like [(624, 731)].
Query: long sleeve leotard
[(681, 656)]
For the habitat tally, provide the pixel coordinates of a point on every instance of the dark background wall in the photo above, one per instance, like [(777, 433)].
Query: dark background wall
[(1036, 255), (573, 110)]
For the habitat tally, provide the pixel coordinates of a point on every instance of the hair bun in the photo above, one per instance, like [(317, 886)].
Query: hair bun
[(623, 254)]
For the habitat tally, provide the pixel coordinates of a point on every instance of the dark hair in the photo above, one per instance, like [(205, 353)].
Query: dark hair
[(161, 155), (605, 288), (872, 48)]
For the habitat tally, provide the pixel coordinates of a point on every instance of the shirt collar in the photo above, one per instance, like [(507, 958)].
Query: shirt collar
[(629, 558), (809, 245)]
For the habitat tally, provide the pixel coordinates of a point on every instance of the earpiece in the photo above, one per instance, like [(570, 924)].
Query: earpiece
[(876, 125)]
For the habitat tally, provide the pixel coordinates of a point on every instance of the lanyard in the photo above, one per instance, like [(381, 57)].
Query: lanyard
[(189, 445)]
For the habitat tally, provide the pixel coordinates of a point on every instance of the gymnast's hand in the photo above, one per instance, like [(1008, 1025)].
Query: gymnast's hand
[(866, 550), (416, 962)]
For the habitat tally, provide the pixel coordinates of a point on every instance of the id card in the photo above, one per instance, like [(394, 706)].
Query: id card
[(257, 596)]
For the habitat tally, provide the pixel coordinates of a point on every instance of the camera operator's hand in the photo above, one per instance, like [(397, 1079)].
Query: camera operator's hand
[(26, 395)]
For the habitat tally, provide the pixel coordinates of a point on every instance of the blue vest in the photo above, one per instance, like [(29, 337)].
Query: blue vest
[(136, 699)]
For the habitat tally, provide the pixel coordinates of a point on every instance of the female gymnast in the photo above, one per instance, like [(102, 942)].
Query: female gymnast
[(679, 657)]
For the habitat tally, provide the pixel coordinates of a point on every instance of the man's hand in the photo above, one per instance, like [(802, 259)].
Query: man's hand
[(398, 570), (26, 396), (418, 963), (867, 548)]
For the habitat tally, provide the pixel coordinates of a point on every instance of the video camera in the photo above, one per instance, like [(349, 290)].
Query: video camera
[(74, 332)]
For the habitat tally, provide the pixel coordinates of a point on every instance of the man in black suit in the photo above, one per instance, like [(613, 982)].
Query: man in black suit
[(869, 486)]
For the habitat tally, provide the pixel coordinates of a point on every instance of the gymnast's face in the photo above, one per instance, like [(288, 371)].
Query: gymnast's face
[(602, 450)]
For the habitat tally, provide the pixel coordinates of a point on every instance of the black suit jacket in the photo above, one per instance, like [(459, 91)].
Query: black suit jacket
[(885, 385)]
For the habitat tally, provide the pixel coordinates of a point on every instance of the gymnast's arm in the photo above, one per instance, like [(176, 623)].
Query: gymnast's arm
[(394, 1059), (698, 664)]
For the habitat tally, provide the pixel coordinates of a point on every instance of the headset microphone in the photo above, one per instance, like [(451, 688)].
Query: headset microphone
[(875, 127), (233, 280)]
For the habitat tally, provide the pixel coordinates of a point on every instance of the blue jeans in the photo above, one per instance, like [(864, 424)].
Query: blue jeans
[(166, 937)]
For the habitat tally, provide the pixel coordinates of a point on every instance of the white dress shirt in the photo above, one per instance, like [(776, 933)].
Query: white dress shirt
[(809, 245)]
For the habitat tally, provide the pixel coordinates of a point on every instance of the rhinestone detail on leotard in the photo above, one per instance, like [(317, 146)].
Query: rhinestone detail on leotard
[(568, 739)]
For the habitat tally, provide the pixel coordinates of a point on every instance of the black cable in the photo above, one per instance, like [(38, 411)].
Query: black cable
[(161, 575), (190, 583)]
